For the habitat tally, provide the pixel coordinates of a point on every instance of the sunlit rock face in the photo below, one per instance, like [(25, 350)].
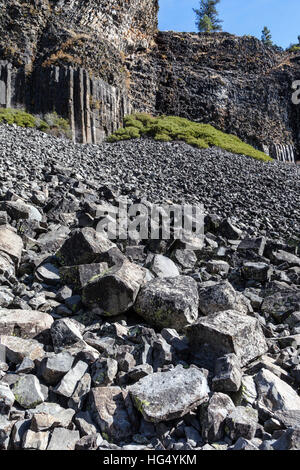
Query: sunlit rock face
[(94, 61)]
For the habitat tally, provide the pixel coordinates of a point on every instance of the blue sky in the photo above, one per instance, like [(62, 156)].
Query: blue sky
[(240, 17)]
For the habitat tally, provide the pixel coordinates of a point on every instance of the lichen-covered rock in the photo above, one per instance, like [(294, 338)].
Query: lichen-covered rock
[(11, 243), (7, 399), (84, 246), (164, 396), (113, 412), (27, 391), (220, 297), (68, 383), (213, 415), (24, 323), (18, 348), (242, 422), (114, 292), (228, 374), (281, 304), (78, 276), (169, 302), (257, 271), (55, 367), (274, 394), (229, 332), (162, 267)]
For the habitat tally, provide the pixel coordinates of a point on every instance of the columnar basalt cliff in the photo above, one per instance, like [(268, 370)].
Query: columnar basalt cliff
[(95, 61)]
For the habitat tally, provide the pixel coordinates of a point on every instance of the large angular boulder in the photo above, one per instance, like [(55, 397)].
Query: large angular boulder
[(78, 276), (17, 349), (260, 272), (20, 210), (228, 374), (6, 399), (116, 291), (284, 257), (65, 332), (229, 332), (164, 396), (281, 304), (290, 440), (27, 391), (84, 246), (63, 439), (24, 323), (256, 245), (169, 303), (35, 440), (162, 267), (274, 394), (220, 297), (113, 412), (11, 243), (242, 422), (67, 385), (54, 368), (213, 415)]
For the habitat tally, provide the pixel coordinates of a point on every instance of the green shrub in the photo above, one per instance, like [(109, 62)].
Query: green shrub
[(51, 124), (57, 125), (170, 128), (17, 116), (294, 48)]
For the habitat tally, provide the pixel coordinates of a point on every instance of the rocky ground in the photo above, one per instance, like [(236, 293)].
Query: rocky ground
[(162, 345)]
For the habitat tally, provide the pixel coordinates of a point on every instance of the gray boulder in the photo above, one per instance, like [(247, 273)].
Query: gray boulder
[(63, 439), (84, 246), (18, 348), (169, 302), (221, 297), (7, 399), (114, 292), (229, 332), (162, 267), (11, 243), (281, 304), (54, 368), (228, 374), (274, 394), (24, 323), (260, 272), (242, 422), (164, 396), (213, 416), (28, 392), (113, 412), (68, 383)]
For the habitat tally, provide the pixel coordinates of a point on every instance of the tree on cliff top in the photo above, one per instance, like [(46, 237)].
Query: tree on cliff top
[(266, 37), (207, 16)]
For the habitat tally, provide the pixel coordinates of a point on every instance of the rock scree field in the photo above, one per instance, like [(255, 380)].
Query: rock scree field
[(189, 344)]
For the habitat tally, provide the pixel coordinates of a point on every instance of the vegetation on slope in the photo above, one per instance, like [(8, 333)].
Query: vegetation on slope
[(51, 123), (170, 128)]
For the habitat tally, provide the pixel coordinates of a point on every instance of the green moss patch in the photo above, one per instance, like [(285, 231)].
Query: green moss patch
[(172, 128), (51, 123)]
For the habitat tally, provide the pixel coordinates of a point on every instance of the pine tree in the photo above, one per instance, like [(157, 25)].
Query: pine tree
[(266, 37), (207, 24), (207, 16)]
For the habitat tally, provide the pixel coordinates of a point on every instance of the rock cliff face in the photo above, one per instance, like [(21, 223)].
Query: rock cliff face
[(95, 61), (234, 83)]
